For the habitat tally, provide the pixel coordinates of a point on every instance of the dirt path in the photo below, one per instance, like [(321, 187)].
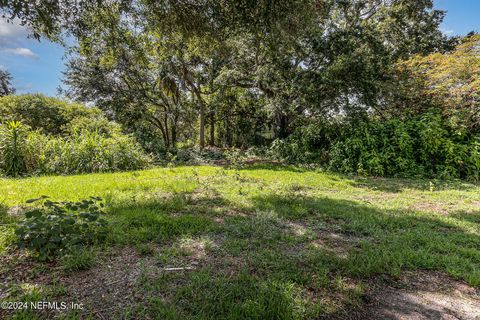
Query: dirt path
[(424, 295)]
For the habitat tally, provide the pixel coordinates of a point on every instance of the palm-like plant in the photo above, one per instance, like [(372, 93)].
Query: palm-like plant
[(12, 136)]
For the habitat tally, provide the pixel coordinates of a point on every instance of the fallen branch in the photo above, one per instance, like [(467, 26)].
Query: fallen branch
[(178, 269)]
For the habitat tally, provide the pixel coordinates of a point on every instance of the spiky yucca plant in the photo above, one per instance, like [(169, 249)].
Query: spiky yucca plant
[(12, 138)]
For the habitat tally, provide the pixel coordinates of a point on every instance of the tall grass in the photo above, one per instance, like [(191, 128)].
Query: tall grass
[(25, 152)]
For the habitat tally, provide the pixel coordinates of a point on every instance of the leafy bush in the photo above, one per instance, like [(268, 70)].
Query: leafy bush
[(23, 151), (310, 143), (235, 157), (85, 152), (58, 228), (52, 116), (42, 135), (193, 156), (95, 123), (424, 145)]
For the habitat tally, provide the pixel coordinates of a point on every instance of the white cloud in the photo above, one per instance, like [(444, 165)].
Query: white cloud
[(24, 52), (11, 34), (10, 30), (447, 32)]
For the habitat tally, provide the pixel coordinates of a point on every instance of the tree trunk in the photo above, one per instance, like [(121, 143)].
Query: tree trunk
[(196, 91), (173, 128), (212, 129), (282, 126), (202, 124), (158, 124), (228, 134), (167, 136)]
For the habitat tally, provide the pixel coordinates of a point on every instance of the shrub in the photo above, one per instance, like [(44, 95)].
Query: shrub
[(95, 123), (87, 152), (23, 151), (424, 145), (235, 157), (58, 228), (193, 156), (49, 115), (310, 143)]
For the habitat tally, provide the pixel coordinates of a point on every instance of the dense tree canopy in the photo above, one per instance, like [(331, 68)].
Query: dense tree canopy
[(449, 81), (289, 59)]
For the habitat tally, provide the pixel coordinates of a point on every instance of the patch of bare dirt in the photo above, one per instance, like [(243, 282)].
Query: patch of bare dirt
[(18, 267), (297, 228), (113, 285), (422, 295), (196, 251), (441, 208), (380, 197), (336, 242), (474, 207), (329, 237), (109, 286), (15, 211)]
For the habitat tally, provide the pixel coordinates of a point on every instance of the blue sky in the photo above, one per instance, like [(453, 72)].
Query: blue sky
[(37, 66), (462, 16)]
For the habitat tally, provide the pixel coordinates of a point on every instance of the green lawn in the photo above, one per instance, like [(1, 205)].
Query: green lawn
[(264, 242)]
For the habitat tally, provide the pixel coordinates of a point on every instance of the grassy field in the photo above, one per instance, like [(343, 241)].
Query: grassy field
[(262, 242)]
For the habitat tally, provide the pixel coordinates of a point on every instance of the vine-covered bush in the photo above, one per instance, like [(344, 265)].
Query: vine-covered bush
[(56, 228), (27, 152), (424, 145)]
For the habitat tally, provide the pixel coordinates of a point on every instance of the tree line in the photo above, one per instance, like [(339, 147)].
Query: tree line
[(180, 73)]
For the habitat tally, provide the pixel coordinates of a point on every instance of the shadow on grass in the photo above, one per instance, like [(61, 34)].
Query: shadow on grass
[(274, 167), (275, 264), (396, 185), (281, 264), (391, 185), (469, 216), (388, 241), (160, 219), (5, 218)]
